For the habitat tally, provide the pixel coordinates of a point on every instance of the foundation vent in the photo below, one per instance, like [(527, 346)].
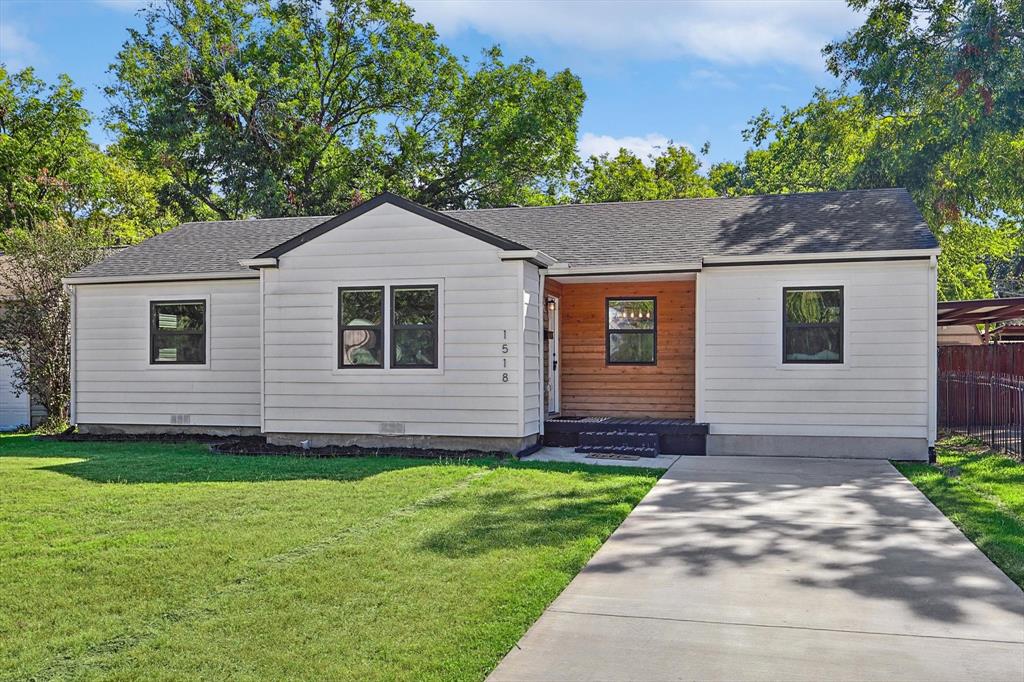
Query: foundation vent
[(392, 428), (181, 419)]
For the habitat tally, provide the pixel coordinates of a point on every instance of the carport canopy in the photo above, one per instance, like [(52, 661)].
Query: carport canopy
[(983, 311)]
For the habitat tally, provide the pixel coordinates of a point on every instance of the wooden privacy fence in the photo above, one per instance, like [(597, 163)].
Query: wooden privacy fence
[(981, 394)]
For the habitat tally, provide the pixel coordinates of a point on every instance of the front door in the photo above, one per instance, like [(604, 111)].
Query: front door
[(553, 342)]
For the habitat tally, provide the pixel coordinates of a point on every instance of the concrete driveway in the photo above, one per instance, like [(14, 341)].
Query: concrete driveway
[(750, 568)]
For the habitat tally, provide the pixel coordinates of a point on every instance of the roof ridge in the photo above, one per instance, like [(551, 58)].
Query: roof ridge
[(253, 220), (666, 201)]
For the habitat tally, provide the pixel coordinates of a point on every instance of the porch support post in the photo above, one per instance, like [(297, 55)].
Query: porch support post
[(543, 355)]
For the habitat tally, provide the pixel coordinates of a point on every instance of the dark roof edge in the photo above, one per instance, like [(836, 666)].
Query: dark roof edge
[(400, 202)]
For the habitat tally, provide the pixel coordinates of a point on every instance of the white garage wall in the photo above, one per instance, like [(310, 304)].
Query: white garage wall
[(881, 390), (114, 382), (477, 390)]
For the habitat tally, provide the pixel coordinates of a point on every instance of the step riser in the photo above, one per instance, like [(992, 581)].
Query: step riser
[(619, 442), (617, 450), (675, 437), (591, 438)]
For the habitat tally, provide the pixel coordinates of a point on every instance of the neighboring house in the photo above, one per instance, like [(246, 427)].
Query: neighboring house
[(959, 335), (802, 324), (17, 409)]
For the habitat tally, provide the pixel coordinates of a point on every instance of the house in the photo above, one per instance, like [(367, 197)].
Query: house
[(798, 325), (17, 408)]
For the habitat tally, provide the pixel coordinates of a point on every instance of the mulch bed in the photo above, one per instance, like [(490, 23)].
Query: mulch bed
[(135, 437), (254, 445)]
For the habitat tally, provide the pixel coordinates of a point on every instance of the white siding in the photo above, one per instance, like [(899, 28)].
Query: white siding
[(114, 382), (481, 306), (881, 390), (532, 331), (15, 408)]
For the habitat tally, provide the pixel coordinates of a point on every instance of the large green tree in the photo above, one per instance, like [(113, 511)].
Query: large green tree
[(279, 107), (944, 79), (671, 173), (51, 170)]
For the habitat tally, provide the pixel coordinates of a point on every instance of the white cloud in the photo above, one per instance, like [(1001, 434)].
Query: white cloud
[(595, 145), (732, 32), (708, 78), (17, 50), (123, 5)]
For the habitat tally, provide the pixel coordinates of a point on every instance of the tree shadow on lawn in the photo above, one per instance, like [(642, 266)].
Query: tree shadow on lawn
[(177, 462), (498, 520), (190, 462)]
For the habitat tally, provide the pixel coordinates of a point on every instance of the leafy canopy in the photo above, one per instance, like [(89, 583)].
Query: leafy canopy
[(289, 107), (671, 174), (50, 170), (934, 102), (946, 80)]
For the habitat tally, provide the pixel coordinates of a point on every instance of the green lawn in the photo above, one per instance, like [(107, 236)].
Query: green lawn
[(983, 493), (163, 561)]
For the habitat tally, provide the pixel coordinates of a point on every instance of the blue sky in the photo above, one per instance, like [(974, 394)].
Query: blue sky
[(653, 71)]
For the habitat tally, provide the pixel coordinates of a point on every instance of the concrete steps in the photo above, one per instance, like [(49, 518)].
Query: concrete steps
[(635, 443)]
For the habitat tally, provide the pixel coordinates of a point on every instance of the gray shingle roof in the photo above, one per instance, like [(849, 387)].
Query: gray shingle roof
[(629, 233), (686, 230), (202, 247)]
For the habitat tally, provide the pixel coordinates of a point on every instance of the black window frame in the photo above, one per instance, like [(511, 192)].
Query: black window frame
[(155, 331), (392, 326), (786, 326), (608, 331), (342, 328)]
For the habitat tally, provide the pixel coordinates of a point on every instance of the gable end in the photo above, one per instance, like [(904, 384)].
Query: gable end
[(400, 202)]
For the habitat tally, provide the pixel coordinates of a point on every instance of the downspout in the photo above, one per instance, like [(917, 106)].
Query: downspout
[(698, 350), (933, 355)]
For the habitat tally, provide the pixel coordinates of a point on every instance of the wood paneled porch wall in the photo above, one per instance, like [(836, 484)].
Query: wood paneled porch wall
[(591, 387)]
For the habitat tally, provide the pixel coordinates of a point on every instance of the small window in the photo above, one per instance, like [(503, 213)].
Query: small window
[(631, 329), (812, 328), (414, 327), (361, 327), (177, 333)]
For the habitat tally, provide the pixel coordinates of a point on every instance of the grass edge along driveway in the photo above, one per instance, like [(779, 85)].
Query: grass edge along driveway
[(982, 492), (150, 560)]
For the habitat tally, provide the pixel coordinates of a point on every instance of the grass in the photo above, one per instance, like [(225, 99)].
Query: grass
[(164, 561), (982, 492)]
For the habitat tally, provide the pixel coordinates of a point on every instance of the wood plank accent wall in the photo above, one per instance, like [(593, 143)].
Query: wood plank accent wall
[(590, 387)]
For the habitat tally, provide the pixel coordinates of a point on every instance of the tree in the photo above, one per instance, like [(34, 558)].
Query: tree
[(50, 170), (34, 325), (835, 142), (285, 107), (946, 78), (671, 174)]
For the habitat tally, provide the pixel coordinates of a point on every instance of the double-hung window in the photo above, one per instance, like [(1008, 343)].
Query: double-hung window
[(409, 340), (361, 327), (177, 333), (631, 331), (414, 326), (812, 325)]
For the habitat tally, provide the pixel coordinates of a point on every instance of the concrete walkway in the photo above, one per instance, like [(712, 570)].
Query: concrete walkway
[(744, 568), (550, 454)]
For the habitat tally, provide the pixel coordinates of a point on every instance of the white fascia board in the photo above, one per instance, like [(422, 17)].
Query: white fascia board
[(826, 255), (258, 262), (179, 277), (538, 257), (567, 269)]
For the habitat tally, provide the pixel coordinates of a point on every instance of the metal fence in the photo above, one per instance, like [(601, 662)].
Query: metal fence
[(981, 394)]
